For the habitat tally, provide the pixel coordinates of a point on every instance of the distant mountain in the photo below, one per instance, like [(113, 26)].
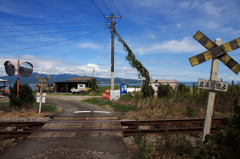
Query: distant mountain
[(65, 77)]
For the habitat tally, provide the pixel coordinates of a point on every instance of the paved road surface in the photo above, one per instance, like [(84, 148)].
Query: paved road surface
[(85, 146)]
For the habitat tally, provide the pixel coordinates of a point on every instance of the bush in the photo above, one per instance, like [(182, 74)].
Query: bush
[(164, 90), (25, 96), (184, 90), (93, 84), (147, 90), (225, 143)]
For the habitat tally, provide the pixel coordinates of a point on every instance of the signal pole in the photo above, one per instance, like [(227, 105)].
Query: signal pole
[(112, 26)]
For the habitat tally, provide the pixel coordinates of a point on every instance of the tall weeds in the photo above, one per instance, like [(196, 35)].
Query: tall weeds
[(182, 102)]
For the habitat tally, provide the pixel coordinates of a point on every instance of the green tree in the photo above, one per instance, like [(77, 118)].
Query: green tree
[(93, 84), (25, 96)]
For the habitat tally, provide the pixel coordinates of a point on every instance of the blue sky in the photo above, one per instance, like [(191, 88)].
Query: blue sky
[(62, 36)]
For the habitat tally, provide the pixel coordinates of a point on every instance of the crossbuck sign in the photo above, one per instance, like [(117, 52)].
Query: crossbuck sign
[(215, 51), (219, 52)]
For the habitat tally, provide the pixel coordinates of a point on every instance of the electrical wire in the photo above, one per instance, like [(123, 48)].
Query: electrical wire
[(45, 33), (225, 76), (116, 8), (97, 8), (51, 43), (66, 44), (47, 24), (118, 12), (12, 31), (105, 55), (106, 6), (104, 49)]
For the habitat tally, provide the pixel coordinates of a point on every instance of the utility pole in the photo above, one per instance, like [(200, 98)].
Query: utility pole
[(112, 26)]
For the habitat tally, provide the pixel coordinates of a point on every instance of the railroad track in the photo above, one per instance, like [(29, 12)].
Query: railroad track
[(128, 127)]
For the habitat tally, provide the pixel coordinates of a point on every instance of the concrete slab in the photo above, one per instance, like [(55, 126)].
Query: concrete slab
[(35, 146)]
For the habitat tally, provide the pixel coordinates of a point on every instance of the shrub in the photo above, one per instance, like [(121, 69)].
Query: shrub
[(93, 84), (25, 96), (183, 90), (164, 90), (147, 90), (225, 143)]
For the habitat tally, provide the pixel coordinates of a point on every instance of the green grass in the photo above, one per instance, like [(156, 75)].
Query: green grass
[(65, 94), (45, 107), (4, 106), (115, 105)]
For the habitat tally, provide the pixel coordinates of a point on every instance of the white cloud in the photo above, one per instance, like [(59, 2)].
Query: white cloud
[(178, 25), (174, 46), (152, 36), (89, 45), (58, 66)]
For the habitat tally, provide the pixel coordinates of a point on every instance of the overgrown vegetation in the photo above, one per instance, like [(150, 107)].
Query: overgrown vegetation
[(225, 143), (134, 63), (184, 102)]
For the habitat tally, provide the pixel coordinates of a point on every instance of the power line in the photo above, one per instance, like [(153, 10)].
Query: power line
[(106, 6), (105, 55), (97, 8), (104, 49), (46, 33), (47, 23), (10, 31), (116, 8), (117, 11), (51, 43), (66, 44)]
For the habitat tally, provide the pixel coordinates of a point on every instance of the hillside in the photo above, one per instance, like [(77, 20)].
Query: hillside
[(64, 77)]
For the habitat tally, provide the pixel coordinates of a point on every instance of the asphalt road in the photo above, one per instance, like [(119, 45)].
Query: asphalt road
[(68, 107), (81, 147)]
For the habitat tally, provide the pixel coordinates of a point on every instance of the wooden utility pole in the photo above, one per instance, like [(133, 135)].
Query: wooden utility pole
[(211, 95), (112, 46)]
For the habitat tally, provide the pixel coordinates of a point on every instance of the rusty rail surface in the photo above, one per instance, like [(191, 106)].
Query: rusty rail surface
[(129, 127)]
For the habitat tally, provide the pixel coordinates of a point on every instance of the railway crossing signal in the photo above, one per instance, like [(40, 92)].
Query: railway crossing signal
[(41, 85), (219, 52), (215, 51)]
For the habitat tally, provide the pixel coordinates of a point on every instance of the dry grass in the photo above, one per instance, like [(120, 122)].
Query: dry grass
[(23, 113)]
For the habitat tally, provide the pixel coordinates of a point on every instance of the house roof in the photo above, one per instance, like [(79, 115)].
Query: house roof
[(79, 79), (2, 80)]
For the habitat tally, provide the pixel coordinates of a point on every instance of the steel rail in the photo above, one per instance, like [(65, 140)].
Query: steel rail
[(131, 122), (126, 132)]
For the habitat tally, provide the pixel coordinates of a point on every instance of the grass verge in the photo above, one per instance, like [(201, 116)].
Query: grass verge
[(116, 106)]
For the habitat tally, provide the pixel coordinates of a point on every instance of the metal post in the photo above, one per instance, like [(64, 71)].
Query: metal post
[(211, 95), (18, 78), (112, 52), (40, 102)]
